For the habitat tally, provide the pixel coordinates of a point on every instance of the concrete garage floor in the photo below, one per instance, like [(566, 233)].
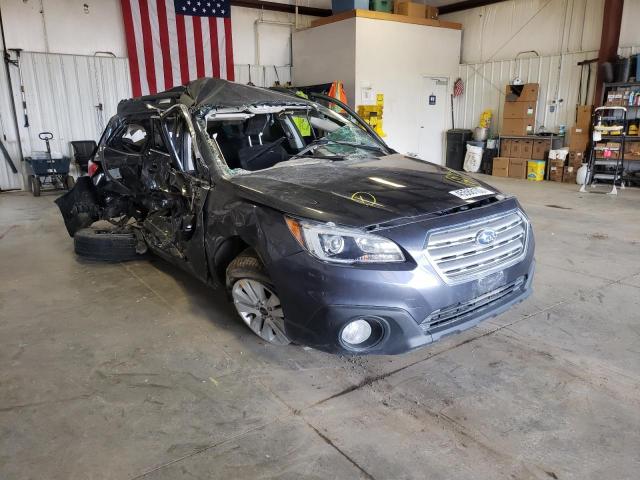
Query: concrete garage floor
[(137, 371)]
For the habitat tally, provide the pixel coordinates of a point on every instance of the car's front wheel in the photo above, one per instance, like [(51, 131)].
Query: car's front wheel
[(255, 298)]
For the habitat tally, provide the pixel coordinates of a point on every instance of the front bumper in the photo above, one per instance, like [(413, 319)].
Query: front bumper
[(319, 299)]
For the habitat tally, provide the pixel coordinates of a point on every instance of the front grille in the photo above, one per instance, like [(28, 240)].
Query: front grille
[(458, 256), (463, 310)]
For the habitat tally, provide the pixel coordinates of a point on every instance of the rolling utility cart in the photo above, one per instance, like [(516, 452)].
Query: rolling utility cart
[(43, 169), (606, 156)]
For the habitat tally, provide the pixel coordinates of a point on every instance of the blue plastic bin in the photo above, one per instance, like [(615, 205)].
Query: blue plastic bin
[(338, 6)]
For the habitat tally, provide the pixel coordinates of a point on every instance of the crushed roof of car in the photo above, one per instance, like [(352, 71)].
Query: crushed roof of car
[(208, 93)]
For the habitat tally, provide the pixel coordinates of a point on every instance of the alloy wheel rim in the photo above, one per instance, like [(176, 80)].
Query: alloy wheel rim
[(260, 308)]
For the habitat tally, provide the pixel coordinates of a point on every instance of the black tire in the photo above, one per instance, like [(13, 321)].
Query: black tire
[(105, 245), (69, 182), (247, 266), (35, 186)]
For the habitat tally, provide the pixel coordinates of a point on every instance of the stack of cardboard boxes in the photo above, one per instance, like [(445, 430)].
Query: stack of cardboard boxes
[(515, 155), (519, 115), (579, 134), (566, 170)]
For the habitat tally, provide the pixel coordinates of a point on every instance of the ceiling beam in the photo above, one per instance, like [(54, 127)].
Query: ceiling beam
[(466, 5), (281, 7)]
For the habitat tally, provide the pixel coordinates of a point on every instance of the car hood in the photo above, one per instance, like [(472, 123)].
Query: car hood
[(358, 192)]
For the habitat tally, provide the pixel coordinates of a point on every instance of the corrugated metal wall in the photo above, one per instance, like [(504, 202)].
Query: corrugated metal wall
[(558, 76), (72, 96), (262, 75), (501, 30), (8, 134)]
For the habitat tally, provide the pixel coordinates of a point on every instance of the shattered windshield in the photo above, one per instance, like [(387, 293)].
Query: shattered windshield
[(346, 140), (261, 138)]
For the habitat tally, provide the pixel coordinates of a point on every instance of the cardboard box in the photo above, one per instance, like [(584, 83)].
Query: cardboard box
[(576, 159), (526, 149), (632, 151), (540, 149), (515, 147), (517, 126), (432, 12), (556, 162), (410, 9), (583, 119), (578, 139), (519, 110), (521, 93), (518, 168), (569, 174), (505, 147), (500, 167), (555, 173)]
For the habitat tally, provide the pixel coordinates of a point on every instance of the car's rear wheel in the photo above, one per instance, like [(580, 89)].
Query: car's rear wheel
[(255, 298), (105, 244)]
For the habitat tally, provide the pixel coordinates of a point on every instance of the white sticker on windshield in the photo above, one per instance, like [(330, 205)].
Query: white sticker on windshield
[(115, 173), (467, 193)]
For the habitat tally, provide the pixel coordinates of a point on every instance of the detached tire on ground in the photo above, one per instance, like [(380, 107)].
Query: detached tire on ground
[(105, 245)]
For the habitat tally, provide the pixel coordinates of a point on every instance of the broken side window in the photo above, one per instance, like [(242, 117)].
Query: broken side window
[(131, 137)]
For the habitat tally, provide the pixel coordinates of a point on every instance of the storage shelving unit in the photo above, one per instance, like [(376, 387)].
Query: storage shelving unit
[(629, 163)]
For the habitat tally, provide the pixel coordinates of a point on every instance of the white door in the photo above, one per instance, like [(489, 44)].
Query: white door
[(432, 118)]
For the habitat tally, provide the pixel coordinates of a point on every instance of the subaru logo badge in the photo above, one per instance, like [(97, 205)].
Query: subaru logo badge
[(486, 236)]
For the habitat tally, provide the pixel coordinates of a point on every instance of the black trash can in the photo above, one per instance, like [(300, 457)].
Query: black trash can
[(457, 139)]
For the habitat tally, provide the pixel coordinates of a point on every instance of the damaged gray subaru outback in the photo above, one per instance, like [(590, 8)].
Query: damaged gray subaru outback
[(322, 234)]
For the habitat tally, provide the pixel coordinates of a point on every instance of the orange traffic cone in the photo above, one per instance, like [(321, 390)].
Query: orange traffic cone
[(337, 91)]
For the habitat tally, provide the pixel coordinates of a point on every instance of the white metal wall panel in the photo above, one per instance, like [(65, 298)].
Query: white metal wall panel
[(8, 134), (262, 75), (629, 32), (501, 30), (72, 96), (558, 76)]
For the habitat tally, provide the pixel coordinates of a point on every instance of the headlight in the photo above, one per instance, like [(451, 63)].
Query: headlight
[(343, 245)]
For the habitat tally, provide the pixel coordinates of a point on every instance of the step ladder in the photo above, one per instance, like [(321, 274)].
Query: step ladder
[(606, 155)]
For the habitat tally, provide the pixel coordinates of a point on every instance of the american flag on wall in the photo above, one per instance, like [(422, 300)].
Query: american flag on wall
[(171, 42)]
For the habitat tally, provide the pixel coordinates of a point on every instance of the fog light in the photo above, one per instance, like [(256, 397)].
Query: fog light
[(356, 332)]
